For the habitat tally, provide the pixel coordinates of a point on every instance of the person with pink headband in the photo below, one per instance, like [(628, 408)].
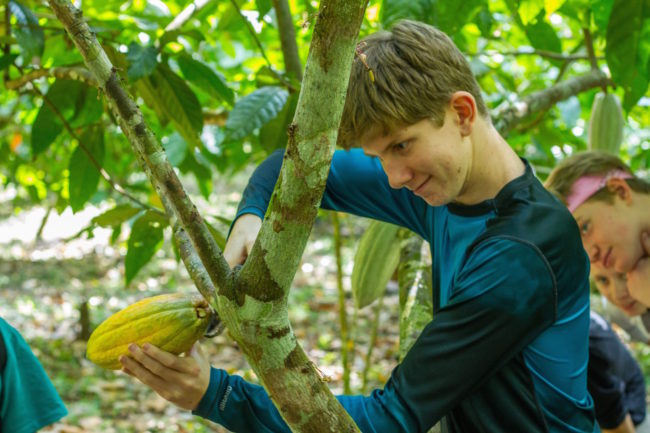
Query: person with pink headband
[(612, 208)]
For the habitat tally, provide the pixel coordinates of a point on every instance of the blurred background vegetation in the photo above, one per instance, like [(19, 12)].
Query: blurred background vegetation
[(211, 79)]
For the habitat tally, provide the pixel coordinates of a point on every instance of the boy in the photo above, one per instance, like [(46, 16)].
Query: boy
[(510, 276), (28, 401), (612, 208)]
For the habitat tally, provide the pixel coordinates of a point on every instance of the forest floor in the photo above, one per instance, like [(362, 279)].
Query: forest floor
[(45, 285)]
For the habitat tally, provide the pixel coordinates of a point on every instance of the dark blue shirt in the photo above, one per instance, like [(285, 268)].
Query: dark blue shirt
[(507, 348)]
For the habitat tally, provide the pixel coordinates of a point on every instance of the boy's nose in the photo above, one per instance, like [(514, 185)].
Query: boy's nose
[(398, 175)]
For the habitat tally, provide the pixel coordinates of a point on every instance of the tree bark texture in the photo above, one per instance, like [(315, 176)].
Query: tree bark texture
[(253, 301)]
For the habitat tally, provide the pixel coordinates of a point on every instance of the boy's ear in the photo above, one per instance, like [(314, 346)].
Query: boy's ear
[(620, 188), (464, 105)]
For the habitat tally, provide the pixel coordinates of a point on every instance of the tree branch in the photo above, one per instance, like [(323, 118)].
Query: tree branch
[(546, 54), (288, 39), (186, 14), (62, 72), (251, 30), (509, 116)]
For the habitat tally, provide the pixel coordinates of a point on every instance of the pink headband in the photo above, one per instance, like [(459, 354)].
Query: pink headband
[(587, 186)]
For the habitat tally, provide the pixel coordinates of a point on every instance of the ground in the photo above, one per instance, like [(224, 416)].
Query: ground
[(45, 285)]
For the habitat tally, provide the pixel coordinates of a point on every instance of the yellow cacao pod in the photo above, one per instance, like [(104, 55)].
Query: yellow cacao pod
[(606, 123), (171, 322)]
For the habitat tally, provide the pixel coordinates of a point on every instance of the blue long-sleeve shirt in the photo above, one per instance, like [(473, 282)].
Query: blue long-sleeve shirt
[(507, 348)]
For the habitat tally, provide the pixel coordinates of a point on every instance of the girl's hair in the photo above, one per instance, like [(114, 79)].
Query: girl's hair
[(561, 180)]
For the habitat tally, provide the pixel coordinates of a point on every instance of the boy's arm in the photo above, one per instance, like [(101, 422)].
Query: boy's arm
[(627, 426), (459, 355)]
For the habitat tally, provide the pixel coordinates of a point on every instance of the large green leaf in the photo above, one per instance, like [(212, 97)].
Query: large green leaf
[(205, 78), (28, 32), (542, 36), (375, 261), (601, 10), (7, 60), (142, 61), (146, 238), (254, 110), (273, 134), (116, 216), (74, 101), (84, 176), (46, 127), (395, 10), (623, 37), (529, 10)]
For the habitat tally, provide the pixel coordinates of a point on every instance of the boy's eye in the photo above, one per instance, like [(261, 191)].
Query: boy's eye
[(401, 146), (602, 280), (584, 228)]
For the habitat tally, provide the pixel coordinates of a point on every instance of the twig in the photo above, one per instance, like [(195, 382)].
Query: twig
[(63, 72), (251, 30), (186, 14), (287, 32)]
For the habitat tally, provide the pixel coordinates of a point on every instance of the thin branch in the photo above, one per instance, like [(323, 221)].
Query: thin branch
[(62, 72), (7, 46), (591, 54), (104, 174), (542, 53), (287, 31), (186, 14), (541, 101), (251, 30)]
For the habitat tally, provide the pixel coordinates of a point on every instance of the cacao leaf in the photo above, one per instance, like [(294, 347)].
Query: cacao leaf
[(7, 60), (273, 135), (143, 61), (205, 78), (375, 262), (254, 110), (84, 176), (116, 216), (623, 37), (395, 10), (29, 33), (146, 238)]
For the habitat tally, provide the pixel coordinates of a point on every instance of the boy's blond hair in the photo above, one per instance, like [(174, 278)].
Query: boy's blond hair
[(569, 170), (402, 76)]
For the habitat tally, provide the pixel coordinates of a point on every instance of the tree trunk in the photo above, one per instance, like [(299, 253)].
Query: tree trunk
[(253, 301)]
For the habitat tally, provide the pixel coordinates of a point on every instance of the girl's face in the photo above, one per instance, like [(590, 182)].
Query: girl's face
[(613, 286), (611, 232)]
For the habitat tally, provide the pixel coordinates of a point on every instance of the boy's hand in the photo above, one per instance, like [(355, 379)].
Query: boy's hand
[(638, 279), (241, 239), (181, 380)]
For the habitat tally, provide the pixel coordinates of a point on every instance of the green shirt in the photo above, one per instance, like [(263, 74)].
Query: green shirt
[(28, 400)]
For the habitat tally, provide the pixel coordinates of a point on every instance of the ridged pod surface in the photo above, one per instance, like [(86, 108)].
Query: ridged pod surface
[(606, 124), (172, 322)]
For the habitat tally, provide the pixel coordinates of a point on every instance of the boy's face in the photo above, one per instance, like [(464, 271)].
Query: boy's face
[(432, 162), (613, 286), (611, 233)]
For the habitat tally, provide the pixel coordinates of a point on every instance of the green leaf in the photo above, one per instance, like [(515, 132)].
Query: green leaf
[(263, 7), (601, 11), (7, 60), (168, 37), (206, 79), (529, 10), (116, 216), (46, 127), (254, 110), (29, 33), (542, 36), (142, 61), (175, 148), (375, 262), (623, 36), (84, 176), (273, 134), (146, 238), (75, 101), (179, 103), (219, 237), (395, 10)]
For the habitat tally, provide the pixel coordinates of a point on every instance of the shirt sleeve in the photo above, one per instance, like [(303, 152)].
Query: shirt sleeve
[(28, 399), (492, 316), (606, 387), (356, 184)]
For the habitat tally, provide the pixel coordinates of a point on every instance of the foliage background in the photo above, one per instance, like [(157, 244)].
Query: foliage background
[(215, 91)]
